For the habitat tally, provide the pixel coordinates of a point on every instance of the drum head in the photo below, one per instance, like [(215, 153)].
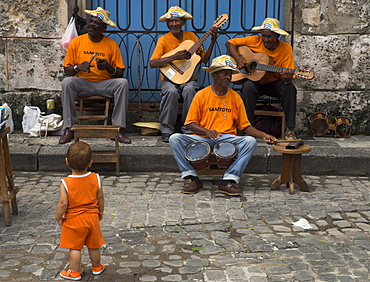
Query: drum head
[(224, 149), (197, 151), (319, 123), (343, 126)]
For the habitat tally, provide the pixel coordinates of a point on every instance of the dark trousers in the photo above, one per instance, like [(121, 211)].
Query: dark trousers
[(287, 94)]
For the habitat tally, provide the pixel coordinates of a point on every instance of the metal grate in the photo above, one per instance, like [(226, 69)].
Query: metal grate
[(138, 30)]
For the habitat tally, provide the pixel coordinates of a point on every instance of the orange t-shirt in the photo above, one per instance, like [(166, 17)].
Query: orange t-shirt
[(82, 48), (282, 56), (82, 193), (169, 42), (222, 113)]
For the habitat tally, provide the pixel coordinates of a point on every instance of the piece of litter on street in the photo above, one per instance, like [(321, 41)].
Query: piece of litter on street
[(303, 223)]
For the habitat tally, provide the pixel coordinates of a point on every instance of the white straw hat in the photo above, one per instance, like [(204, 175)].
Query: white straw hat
[(271, 24), (175, 12), (223, 62), (102, 14)]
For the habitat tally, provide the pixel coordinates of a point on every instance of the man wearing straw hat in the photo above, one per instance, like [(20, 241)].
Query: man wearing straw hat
[(94, 66), (214, 116), (175, 19), (278, 84)]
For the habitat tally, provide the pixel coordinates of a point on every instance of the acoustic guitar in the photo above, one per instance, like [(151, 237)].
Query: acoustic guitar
[(180, 71), (259, 66)]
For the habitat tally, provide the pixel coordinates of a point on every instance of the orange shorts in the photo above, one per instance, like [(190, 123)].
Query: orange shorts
[(81, 230)]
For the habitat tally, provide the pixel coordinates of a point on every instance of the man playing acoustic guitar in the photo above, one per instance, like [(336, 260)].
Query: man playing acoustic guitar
[(167, 51), (275, 84)]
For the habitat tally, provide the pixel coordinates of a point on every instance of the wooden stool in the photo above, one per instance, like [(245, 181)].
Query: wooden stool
[(267, 100), (93, 107), (273, 114), (212, 170), (8, 190), (291, 167), (100, 131)]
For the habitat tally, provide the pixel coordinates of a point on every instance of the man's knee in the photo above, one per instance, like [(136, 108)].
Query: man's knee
[(122, 81), (171, 96), (174, 138), (250, 141), (68, 80)]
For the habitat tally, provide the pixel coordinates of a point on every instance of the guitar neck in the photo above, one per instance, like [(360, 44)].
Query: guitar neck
[(197, 44), (272, 68)]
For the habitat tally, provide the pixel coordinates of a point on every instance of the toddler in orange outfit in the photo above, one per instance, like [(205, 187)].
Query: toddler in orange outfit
[(79, 210)]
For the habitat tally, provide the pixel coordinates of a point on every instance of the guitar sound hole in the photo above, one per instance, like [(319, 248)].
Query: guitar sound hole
[(252, 65)]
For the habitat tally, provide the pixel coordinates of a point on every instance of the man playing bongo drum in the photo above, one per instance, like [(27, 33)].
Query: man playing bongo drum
[(214, 116)]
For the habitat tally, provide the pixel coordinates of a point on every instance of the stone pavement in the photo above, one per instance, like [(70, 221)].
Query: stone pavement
[(155, 233)]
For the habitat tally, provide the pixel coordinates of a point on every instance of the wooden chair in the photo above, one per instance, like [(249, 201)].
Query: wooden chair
[(267, 100), (101, 131), (8, 190), (93, 104)]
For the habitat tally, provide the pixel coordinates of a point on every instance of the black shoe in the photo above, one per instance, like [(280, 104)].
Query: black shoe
[(166, 137), (67, 136), (122, 138)]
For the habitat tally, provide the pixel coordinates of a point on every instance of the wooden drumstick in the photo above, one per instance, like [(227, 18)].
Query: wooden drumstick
[(287, 141), (93, 56)]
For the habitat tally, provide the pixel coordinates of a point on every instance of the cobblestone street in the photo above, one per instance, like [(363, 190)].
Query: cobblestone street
[(153, 232)]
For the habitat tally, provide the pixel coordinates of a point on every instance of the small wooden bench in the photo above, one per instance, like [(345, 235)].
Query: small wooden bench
[(101, 131)]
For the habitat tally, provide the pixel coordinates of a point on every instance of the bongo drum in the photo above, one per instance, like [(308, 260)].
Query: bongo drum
[(319, 123), (343, 126), (225, 153), (197, 154)]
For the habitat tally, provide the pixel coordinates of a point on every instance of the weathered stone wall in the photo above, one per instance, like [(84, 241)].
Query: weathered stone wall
[(31, 56), (331, 38)]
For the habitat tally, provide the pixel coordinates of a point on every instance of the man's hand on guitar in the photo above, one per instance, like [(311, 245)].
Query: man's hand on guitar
[(213, 31), (182, 55), (241, 62), (287, 75)]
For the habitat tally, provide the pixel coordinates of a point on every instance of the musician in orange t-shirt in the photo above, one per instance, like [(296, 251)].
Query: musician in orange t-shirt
[(175, 19), (214, 116), (79, 210), (278, 84), (94, 67)]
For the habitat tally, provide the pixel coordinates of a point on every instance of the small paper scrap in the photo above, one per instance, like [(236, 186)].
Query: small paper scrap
[(303, 223)]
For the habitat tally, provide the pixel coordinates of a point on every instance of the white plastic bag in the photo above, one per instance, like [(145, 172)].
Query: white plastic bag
[(45, 124), (69, 34), (9, 122), (30, 117)]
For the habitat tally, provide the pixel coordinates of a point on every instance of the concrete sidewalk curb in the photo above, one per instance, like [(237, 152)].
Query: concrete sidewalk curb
[(329, 156)]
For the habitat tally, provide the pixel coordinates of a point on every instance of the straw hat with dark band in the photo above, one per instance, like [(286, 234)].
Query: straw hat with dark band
[(223, 62), (175, 12), (271, 24), (102, 14), (149, 128)]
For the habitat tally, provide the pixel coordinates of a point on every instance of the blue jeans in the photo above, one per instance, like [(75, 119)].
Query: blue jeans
[(245, 145)]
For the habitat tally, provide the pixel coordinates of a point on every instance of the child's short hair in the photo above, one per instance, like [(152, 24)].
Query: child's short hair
[(79, 155)]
